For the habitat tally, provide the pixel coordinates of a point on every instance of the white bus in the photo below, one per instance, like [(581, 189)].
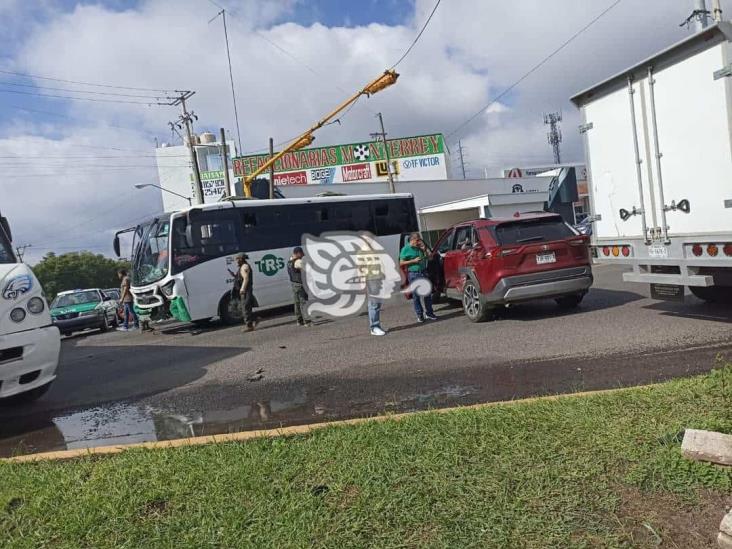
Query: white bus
[(29, 343), (181, 260)]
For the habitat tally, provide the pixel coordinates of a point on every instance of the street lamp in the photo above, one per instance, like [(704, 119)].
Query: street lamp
[(143, 185)]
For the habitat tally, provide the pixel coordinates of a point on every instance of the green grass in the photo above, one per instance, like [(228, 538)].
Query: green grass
[(543, 474)]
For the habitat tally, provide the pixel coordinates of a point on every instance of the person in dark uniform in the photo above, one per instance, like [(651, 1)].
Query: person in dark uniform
[(299, 295), (244, 286)]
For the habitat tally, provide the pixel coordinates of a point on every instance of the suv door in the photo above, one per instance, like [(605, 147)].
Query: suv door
[(456, 258), (435, 266)]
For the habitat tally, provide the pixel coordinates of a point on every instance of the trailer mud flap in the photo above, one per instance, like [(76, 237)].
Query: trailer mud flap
[(667, 292)]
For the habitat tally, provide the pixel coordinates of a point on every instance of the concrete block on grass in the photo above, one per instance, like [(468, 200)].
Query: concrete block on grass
[(724, 541), (726, 526), (707, 446)]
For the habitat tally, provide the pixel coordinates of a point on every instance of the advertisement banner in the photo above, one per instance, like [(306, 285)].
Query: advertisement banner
[(413, 158), (213, 185)]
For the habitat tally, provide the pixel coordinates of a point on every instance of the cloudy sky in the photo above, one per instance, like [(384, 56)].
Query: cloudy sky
[(70, 165)]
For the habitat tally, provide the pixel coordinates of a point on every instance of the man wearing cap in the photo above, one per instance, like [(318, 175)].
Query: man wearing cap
[(299, 295), (244, 284)]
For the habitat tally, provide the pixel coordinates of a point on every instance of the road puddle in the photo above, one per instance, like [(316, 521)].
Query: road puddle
[(121, 423)]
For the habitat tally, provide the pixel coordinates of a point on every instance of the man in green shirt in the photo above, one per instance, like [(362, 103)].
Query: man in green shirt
[(414, 257)]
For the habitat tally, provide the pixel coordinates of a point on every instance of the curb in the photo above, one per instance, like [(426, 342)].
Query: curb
[(294, 430)]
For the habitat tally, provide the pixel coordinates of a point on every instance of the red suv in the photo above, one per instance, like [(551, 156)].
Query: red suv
[(488, 263)]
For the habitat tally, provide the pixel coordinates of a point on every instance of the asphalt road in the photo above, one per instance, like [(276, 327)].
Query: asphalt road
[(181, 381)]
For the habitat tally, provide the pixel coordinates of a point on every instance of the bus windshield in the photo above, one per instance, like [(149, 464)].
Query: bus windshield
[(6, 250), (151, 252)]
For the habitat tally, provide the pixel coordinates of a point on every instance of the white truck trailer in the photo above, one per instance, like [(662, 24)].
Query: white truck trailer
[(658, 144)]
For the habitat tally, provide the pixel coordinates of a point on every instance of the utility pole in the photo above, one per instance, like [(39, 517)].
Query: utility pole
[(717, 11), (554, 136), (702, 19), (20, 250), (271, 169), (225, 163), (462, 158), (700, 15), (186, 118), (389, 172)]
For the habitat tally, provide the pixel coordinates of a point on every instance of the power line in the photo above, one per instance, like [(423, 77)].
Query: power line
[(222, 13), (414, 43), (534, 68), (46, 156), (26, 75), (96, 100), (89, 92)]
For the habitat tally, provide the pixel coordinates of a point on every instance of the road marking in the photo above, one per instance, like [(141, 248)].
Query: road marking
[(294, 430)]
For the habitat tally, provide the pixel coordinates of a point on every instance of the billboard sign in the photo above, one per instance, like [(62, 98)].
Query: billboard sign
[(413, 158)]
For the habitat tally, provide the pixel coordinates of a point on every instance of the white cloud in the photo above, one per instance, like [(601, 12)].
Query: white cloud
[(470, 52)]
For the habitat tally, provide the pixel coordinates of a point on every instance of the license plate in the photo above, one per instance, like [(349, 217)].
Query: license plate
[(667, 292), (658, 251), (543, 259)]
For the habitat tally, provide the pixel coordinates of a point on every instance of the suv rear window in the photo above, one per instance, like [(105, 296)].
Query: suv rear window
[(536, 230)]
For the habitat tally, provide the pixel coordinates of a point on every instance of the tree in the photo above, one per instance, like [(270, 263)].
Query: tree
[(58, 273)]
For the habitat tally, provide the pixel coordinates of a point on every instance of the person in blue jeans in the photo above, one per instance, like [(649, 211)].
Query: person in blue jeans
[(414, 258), (372, 271), (128, 302)]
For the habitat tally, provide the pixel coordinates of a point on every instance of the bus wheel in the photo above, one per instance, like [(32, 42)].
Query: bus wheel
[(230, 311)]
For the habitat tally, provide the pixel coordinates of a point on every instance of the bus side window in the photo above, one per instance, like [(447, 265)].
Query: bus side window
[(393, 216), (249, 219)]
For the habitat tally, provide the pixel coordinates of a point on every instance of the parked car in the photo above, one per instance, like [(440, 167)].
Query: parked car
[(77, 310), (114, 294), (489, 263)]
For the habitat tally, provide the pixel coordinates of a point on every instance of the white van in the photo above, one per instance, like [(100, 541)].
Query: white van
[(29, 343)]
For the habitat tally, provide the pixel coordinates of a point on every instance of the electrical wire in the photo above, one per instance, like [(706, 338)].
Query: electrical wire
[(96, 100), (45, 156), (414, 43), (26, 75), (535, 68), (89, 92)]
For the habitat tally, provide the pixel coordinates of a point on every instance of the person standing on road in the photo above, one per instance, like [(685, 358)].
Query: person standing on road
[(373, 273), (244, 286), (128, 302), (299, 295), (414, 258)]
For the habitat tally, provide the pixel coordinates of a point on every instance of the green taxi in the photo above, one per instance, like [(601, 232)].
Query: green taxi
[(77, 310)]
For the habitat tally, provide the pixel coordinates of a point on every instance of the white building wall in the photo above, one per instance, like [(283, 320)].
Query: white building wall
[(429, 193)]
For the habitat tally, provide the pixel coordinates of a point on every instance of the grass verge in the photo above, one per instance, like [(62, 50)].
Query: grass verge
[(598, 471)]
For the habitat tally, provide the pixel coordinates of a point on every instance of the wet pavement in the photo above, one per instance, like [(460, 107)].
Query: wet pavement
[(181, 381)]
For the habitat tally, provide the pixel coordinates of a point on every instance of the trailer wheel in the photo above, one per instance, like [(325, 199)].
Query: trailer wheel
[(713, 294)]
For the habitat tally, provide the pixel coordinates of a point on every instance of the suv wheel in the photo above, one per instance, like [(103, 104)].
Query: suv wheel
[(475, 309), (570, 301)]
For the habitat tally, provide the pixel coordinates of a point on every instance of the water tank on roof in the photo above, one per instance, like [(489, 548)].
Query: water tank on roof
[(206, 138)]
